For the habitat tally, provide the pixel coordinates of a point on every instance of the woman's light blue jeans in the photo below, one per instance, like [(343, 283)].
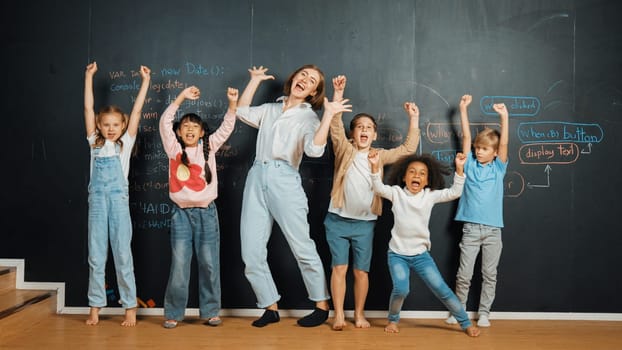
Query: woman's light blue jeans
[(196, 227), (273, 191), (424, 266)]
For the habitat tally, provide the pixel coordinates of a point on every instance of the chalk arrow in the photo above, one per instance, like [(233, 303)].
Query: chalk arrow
[(547, 170)]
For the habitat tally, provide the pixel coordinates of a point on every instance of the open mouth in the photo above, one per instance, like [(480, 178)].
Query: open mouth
[(415, 185)]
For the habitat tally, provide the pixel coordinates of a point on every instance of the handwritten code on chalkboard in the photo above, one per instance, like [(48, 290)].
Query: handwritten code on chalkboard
[(550, 62)]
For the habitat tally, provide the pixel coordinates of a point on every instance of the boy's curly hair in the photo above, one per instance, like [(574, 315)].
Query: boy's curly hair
[(436, 170)]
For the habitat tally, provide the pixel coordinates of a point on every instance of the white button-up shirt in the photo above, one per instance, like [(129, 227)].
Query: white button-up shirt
[(283, 135)]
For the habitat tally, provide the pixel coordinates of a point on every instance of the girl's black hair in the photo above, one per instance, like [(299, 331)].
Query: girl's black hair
[(184, 157), (436, 170)]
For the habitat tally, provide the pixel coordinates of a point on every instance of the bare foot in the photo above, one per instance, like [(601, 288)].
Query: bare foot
[(361, 322), (93, 316), (392, 328), (339, 322), (130, 318), (472, 331)]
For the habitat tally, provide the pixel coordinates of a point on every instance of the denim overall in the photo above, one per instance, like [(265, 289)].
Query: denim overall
[(109, 219)]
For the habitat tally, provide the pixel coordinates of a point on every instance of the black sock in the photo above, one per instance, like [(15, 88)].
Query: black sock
[(269, 316), (316, 318)]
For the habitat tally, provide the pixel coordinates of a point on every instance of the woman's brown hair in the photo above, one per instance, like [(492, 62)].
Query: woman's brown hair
[(316, 101)]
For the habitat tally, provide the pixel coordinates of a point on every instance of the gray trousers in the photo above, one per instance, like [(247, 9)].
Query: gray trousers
[(476, 237)]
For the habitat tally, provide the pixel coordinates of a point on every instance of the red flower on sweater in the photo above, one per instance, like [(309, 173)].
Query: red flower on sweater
[(183, 176)]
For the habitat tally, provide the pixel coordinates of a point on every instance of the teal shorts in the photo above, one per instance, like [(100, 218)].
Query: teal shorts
[(343, 234)]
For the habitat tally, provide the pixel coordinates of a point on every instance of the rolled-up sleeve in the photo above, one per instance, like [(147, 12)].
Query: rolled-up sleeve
[(251, 116), (311, 149)]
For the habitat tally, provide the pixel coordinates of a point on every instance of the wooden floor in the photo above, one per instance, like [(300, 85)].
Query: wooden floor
[(70, 333)]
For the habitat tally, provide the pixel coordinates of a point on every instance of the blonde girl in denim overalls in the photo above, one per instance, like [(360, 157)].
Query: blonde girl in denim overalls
[(111, 135)]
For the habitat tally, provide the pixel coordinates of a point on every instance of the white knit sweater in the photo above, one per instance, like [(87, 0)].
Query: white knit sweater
[(410, 234)]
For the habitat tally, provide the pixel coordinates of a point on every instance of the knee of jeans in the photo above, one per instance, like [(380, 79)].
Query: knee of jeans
[(434, 278), (400, 291), (125, 261), (97, 262), (253, 257)]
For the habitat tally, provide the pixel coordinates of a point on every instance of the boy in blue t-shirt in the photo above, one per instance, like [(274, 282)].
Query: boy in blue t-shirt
[(481, 208)]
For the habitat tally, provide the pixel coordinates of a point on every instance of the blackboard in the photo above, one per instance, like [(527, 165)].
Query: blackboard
[(554, 63)]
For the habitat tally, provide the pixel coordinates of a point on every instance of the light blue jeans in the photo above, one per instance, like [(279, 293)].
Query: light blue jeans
[(198, 227), (488, 239), (273, 191), (424, 266), (109, 220)]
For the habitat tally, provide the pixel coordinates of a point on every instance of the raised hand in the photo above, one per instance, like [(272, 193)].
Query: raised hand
[(191, 93), (91, 68), (374, 159), (465, 101), (411, 109), (336, 107), (501, 109), (232, 94), (339, 85), (145, 72), (260, 73), (460, 160)]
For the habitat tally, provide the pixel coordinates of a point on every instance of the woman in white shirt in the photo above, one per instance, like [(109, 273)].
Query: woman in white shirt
[(273, 189)]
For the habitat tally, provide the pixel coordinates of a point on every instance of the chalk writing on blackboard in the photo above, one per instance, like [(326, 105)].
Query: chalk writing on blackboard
[(152, 224), (446, 132), (554, 131), (154, 208), (555, 142), (587, 149), (547, 171), (514, 184), (517, 106), (445, 155), (545, 142), (389, 137), (149, 185), (549, 153)]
